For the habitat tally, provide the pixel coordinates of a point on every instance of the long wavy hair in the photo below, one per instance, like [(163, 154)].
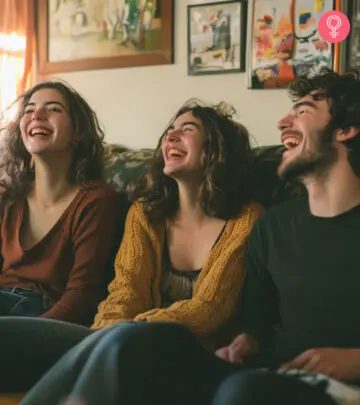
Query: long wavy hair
[(342, 91), (227, 168), (87, 164)]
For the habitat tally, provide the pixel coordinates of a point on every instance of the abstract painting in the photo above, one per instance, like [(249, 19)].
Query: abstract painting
[(284, 41)]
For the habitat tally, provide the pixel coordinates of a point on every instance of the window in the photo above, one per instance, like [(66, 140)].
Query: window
[(12, 60)]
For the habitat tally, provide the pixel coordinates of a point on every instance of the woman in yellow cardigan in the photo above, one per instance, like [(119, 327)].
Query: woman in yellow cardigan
[(180, 263), (181, 258)]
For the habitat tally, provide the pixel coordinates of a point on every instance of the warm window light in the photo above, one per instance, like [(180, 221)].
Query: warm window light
[(12, 49), (12, 43)]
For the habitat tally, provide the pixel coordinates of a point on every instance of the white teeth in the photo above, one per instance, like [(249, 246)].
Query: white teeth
[(291, 142), (39, 131), (176, 153)]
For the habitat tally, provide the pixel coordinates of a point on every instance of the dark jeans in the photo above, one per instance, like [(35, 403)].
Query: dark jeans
[(160, 364), (31, 346), (19, 301)]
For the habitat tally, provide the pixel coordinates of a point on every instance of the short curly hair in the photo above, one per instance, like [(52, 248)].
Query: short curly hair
[(87, 163), (227, 165), (342, 91)]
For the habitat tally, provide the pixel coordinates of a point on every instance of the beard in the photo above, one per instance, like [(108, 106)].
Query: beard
[(311, 163)]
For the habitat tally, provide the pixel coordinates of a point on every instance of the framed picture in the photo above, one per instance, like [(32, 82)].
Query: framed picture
[(284, 42), (216, 37), (104, 34), (350, 48)]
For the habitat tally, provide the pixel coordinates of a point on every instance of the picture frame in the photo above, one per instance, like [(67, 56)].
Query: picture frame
[(216, 37), (350, 48), (283, 41), (79, 35)]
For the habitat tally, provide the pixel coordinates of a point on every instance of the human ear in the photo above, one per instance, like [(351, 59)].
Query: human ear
[(344, 135)]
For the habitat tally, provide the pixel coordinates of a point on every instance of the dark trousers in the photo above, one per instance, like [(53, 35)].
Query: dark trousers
[(31, 346), (159, 364)]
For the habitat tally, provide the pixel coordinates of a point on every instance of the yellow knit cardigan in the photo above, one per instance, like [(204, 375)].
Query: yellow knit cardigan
[(134, 294)]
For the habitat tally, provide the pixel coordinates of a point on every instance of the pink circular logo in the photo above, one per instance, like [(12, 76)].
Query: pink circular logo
[(334, 26)]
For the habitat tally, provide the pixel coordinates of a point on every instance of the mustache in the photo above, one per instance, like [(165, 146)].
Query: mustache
[(291, 132)]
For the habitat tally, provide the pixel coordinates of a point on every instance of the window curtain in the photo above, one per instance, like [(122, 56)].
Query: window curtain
[(17, 47)]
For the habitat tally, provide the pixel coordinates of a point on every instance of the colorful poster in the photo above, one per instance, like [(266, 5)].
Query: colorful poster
[(285, 41)]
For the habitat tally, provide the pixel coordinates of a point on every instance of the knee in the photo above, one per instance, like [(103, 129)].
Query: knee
[(142, 336), (244, 388)]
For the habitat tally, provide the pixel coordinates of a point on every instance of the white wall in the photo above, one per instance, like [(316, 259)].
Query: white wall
[(135, 104)]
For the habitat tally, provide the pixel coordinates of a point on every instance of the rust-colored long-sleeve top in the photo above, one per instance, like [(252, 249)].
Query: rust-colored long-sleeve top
[(69, 264)]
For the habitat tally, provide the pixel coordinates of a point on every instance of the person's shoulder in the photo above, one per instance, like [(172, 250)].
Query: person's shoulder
[(98, 190), (284, 212), (249, 213), (137, 218), (137, 212), (294, 206), (245, 220), (255, 208), (98, 196)]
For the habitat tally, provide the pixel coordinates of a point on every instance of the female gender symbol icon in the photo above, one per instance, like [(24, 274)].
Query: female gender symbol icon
[(337, 22), (333, 27)]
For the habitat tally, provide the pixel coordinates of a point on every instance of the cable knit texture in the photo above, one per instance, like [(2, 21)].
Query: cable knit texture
[(134, 294)]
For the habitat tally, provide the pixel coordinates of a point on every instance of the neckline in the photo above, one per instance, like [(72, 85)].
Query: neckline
[(338, 217), (24, 205), (167, 253)]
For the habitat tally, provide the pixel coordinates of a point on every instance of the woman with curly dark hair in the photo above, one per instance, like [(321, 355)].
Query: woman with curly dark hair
[(181, 256), (57, 214)]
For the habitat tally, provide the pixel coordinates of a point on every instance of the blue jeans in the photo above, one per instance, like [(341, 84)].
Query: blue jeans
[(31, 346), (19, 301), (160, 364)]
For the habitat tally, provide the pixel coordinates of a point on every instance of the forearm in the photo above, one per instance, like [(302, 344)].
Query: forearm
[(75, 306), (121, 305), (203, 318)]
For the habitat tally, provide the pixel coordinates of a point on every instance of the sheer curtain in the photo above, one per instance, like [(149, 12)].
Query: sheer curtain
[(17, 46)]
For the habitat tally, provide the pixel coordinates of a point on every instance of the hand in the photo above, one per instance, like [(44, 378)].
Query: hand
[(241, 347), (340, 364)]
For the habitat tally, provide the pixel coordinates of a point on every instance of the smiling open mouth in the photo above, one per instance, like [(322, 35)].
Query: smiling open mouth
[(176, 153), (39, 132), (291, 141)]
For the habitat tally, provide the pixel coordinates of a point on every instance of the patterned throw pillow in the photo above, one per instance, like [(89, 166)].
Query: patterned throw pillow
[(123, 165)]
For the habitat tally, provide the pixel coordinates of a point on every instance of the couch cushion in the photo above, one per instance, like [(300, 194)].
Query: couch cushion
[(123, 165)]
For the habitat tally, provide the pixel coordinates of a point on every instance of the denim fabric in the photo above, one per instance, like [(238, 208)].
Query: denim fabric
[(31, 346), (19, 301), (159, 364), (133, 364)]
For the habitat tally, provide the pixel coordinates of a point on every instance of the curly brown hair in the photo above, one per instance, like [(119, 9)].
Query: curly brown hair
[(87, 163), (342, 91), (227, 165)]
